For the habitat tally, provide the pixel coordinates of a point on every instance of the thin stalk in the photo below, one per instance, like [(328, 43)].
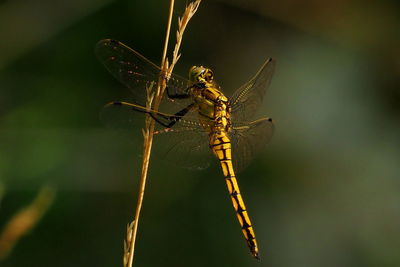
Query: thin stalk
[(148, 131)]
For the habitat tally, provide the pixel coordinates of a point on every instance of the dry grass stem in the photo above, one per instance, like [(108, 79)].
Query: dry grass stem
[(153, 101), (22, 222), (128, 242), (190, 10)]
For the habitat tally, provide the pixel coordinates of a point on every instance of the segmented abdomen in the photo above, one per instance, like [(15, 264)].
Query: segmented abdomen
[(221, 146)]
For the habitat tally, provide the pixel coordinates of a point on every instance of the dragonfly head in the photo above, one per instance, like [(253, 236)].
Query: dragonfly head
[(201, 74)]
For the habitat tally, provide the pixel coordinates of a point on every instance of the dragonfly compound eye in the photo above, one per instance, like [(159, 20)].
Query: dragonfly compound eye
[(197, 74), (194, 74)]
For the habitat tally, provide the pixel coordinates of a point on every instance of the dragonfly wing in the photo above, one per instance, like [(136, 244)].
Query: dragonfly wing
[(185, 144), (248, 140), (247, 99), (134, 70)]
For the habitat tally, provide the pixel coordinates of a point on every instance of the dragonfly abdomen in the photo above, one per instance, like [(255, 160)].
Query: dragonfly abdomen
[(221, 146)]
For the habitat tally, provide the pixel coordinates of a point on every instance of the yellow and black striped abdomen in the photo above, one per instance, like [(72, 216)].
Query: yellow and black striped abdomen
[(221, 146)]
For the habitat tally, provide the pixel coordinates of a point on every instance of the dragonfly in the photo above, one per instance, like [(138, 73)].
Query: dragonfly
[(196, 120)]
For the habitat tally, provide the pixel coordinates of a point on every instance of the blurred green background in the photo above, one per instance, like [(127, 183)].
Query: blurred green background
[(326, 191)]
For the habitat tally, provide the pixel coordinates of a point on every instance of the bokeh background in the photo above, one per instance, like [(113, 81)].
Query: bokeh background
[(325, 192)]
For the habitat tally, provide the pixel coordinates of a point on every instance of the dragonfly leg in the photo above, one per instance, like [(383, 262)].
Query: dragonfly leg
[(173, 119), (157, 116), (177, 96)]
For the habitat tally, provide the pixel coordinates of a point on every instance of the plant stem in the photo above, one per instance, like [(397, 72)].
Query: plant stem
[(148, 142), (148, 131)]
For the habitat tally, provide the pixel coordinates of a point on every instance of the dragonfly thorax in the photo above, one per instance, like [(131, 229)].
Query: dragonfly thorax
[(212, 105), (211, 102)]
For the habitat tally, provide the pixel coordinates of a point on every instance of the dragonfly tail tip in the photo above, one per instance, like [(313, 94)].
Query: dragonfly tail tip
[(257, 256)]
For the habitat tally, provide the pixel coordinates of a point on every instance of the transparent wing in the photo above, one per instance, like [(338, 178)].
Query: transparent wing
[(185, 144), (248, 140), (135, 71), (247, 99)]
